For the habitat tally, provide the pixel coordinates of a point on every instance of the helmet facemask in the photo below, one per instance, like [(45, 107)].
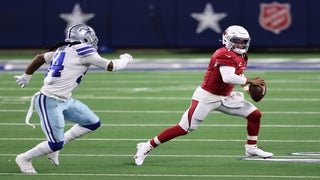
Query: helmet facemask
[(239, 45), (83, 34)]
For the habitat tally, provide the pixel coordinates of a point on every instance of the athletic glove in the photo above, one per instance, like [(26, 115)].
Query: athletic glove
[(122, 62), (126, 56), (23, 80)]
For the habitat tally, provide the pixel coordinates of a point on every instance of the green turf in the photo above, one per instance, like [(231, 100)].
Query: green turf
[(136, 106)]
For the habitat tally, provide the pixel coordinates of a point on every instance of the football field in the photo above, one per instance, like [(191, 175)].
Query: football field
[(136, 104)]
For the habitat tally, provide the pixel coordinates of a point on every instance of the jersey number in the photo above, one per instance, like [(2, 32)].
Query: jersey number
[(57, 64)]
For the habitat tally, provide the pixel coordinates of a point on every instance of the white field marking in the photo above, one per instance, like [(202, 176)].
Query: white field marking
[(190, 88), (292, 99), (24, 100), (151, 155), (169, 80), (305, 153), (173, 112), (16, 100), (184, 81), (130, 155), (11, 102), (168, 175), (186, 98), (178, 140), (283, 160), (168, 125)]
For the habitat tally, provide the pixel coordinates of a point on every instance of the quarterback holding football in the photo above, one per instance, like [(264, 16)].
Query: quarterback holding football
[(225, 70)]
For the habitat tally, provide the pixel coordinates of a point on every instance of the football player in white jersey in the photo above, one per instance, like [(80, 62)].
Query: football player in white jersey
[(69, 61)]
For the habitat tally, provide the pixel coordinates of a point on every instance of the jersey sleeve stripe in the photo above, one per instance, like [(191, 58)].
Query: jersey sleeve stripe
[(86, 50)]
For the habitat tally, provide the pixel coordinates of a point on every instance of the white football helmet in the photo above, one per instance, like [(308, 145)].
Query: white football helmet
[(235, 35), (82, 33)]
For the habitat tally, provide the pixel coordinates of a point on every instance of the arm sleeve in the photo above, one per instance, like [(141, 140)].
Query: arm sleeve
[(229, 76), (96, 60)]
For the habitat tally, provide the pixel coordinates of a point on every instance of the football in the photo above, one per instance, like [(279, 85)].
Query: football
[(257, 92)]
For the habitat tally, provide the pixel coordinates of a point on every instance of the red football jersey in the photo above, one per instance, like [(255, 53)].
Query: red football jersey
[(212, 81)]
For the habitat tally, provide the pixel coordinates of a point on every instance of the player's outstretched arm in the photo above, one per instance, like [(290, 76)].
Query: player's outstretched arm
[(110, 65), (36, 63)]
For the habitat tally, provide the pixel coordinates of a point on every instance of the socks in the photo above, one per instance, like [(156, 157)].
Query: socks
[(167, 135), (41, 149), (253, 126), (75, 132)]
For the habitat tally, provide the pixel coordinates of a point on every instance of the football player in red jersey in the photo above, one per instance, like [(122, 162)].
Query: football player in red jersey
[(225, 70)]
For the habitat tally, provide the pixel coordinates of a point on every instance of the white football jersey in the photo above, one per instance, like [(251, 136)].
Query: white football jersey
[(68, 65)]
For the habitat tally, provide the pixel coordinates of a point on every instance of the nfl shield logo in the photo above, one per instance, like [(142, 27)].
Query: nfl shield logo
[(275, 17)]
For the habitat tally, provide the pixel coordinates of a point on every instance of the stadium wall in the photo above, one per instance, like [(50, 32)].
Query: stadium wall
[(161, 23)]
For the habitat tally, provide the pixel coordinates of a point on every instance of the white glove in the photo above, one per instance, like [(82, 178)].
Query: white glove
[(23, 80), (122, 62), (246, 88), (126, 56)]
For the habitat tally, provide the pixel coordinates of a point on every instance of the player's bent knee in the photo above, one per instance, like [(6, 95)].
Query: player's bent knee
[(93, 127), (55, 146), (256, 114)]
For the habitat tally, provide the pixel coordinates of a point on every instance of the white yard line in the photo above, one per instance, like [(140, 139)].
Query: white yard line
[(165, 64), (177, 140), (167, 125), (173, 112), (167, 155), (167, 175)]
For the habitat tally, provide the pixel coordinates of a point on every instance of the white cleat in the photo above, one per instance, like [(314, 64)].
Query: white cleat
[(25, 165), (254, 150), (143, 150), (54, 158)]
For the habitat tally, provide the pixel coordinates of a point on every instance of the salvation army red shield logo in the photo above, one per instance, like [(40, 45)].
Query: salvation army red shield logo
[(275, 17)]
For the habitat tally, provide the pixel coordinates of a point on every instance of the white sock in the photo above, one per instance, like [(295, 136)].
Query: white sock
[(75, 132), (41, 149)]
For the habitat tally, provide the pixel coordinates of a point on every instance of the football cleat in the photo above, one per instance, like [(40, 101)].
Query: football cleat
[(143, 150), (254, 150), (25, 165), (54, 158)]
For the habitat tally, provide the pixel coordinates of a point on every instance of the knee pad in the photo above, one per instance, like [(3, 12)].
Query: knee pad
[(55, 146), (93, 127)]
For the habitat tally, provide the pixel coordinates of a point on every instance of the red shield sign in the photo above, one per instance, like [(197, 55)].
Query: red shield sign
[(275, 17)]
